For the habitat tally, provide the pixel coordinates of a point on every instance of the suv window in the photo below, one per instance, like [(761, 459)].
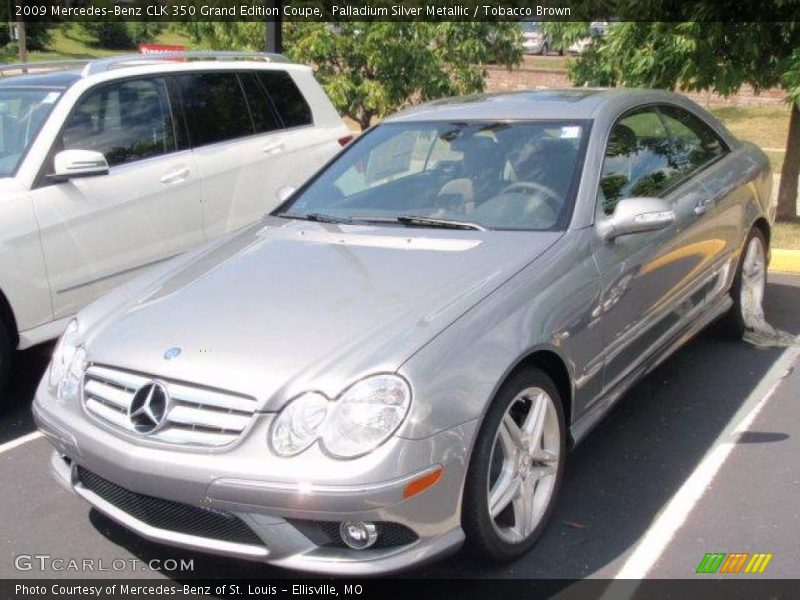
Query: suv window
[(693, 142), (638, 159), (126, 121), (261, 111), (289, 102), (215, 107)]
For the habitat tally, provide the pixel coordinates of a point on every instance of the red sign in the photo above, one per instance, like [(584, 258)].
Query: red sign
[(160, 48)]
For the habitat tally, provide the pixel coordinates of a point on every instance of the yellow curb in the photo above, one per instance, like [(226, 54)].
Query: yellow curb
[(784, 261)]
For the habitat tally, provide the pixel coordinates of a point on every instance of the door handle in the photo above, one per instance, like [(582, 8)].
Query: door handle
[(703, 206), (273, 148), (175, 176)]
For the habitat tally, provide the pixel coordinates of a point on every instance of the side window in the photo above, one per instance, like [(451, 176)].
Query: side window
[(289, 101), (260, 105), (693, 142), (126, 121), (214, 106), (637, 159)]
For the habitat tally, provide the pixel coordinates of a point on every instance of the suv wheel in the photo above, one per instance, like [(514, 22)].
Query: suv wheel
[(516, 468), (5, 356)]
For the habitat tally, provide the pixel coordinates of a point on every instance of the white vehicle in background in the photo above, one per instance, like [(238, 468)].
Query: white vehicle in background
[(534, 40), (596, 29), (115, 165)]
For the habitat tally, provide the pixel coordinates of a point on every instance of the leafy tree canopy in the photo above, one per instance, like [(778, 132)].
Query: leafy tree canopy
[(372, 69)]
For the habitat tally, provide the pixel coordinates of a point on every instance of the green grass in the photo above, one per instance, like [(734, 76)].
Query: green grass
[(551, 62), (786, 236), (766, 126), (70, 43)]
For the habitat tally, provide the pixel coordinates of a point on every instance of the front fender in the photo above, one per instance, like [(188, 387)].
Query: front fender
[(548, 305)]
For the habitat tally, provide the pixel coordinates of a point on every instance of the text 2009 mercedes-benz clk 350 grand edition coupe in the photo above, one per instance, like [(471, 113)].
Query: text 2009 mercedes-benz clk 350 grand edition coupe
[(397, 359)]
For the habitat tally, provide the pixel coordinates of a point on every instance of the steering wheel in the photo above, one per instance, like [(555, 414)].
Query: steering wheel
[(551, 197)]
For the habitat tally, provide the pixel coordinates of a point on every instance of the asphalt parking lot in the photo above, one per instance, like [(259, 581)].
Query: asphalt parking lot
[(702, 456)]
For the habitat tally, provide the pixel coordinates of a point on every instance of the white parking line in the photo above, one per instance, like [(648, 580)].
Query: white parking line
[(33, 435), (655, 540)]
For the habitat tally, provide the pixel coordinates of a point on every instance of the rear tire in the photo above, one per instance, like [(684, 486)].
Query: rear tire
[(544, 50), (516, 468), (6, 352), (747, 289)]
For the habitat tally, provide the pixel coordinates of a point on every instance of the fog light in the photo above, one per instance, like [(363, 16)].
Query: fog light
[(358, 535)]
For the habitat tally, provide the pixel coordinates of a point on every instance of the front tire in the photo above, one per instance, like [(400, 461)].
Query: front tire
[(516, 468), (747, 289)]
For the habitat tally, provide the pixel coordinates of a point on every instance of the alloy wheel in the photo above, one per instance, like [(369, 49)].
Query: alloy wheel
[(754, 271), (524, 465)]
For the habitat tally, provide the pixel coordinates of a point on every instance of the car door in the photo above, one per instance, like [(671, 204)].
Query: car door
[(222, 134), (695, 152), (99, 231), (240, 147), (649, 280), (305, 145)]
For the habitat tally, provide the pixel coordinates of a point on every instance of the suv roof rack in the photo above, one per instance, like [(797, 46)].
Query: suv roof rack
[(100, 65)]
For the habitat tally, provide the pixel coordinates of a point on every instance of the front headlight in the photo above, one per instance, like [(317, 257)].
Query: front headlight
[(67, 364), (63, 353), (365, 415), (297, 427), (357, 422)]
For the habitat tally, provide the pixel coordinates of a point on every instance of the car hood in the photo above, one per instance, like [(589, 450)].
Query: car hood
[(289, 305)]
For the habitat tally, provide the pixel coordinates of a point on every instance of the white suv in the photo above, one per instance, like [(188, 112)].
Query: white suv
[(129, 161)]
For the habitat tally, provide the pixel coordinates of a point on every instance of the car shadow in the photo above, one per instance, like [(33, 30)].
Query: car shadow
[(616, 481)]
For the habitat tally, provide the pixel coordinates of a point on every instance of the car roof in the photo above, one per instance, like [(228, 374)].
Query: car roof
[(55, 79), (561, 104), (63, 74)]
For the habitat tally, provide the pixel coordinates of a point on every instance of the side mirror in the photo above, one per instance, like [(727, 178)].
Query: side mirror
[(636, 215), (69, 164), (284, 192)]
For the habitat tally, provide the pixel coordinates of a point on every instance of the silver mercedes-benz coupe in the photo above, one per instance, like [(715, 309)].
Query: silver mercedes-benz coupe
[(397, 359)]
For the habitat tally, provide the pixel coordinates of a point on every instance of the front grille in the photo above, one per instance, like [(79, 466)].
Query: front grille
[(171, 516), (195, 416), (326, 533)]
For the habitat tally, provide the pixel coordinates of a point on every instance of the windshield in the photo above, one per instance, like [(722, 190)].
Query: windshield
[(493, 175), (22, 112)]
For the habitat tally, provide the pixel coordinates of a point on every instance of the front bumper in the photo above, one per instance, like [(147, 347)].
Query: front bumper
[(281, 501)]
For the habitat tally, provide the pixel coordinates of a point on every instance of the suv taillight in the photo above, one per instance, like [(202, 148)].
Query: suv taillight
[(343, 141)]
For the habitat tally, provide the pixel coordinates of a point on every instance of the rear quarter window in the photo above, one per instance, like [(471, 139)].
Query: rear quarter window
[(292, 107)]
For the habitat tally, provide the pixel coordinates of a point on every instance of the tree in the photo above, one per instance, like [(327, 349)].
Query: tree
[(705, 55), (372, 69), (108, 34), (225, 35)]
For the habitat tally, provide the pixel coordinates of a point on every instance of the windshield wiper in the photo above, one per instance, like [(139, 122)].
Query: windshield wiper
[(423, 222), (316, 217)]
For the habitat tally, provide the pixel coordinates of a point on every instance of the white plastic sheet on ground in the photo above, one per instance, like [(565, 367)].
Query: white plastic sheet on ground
[(757, 331)]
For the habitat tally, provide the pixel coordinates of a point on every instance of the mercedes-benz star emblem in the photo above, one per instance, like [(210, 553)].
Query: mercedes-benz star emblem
[(148, 409)]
